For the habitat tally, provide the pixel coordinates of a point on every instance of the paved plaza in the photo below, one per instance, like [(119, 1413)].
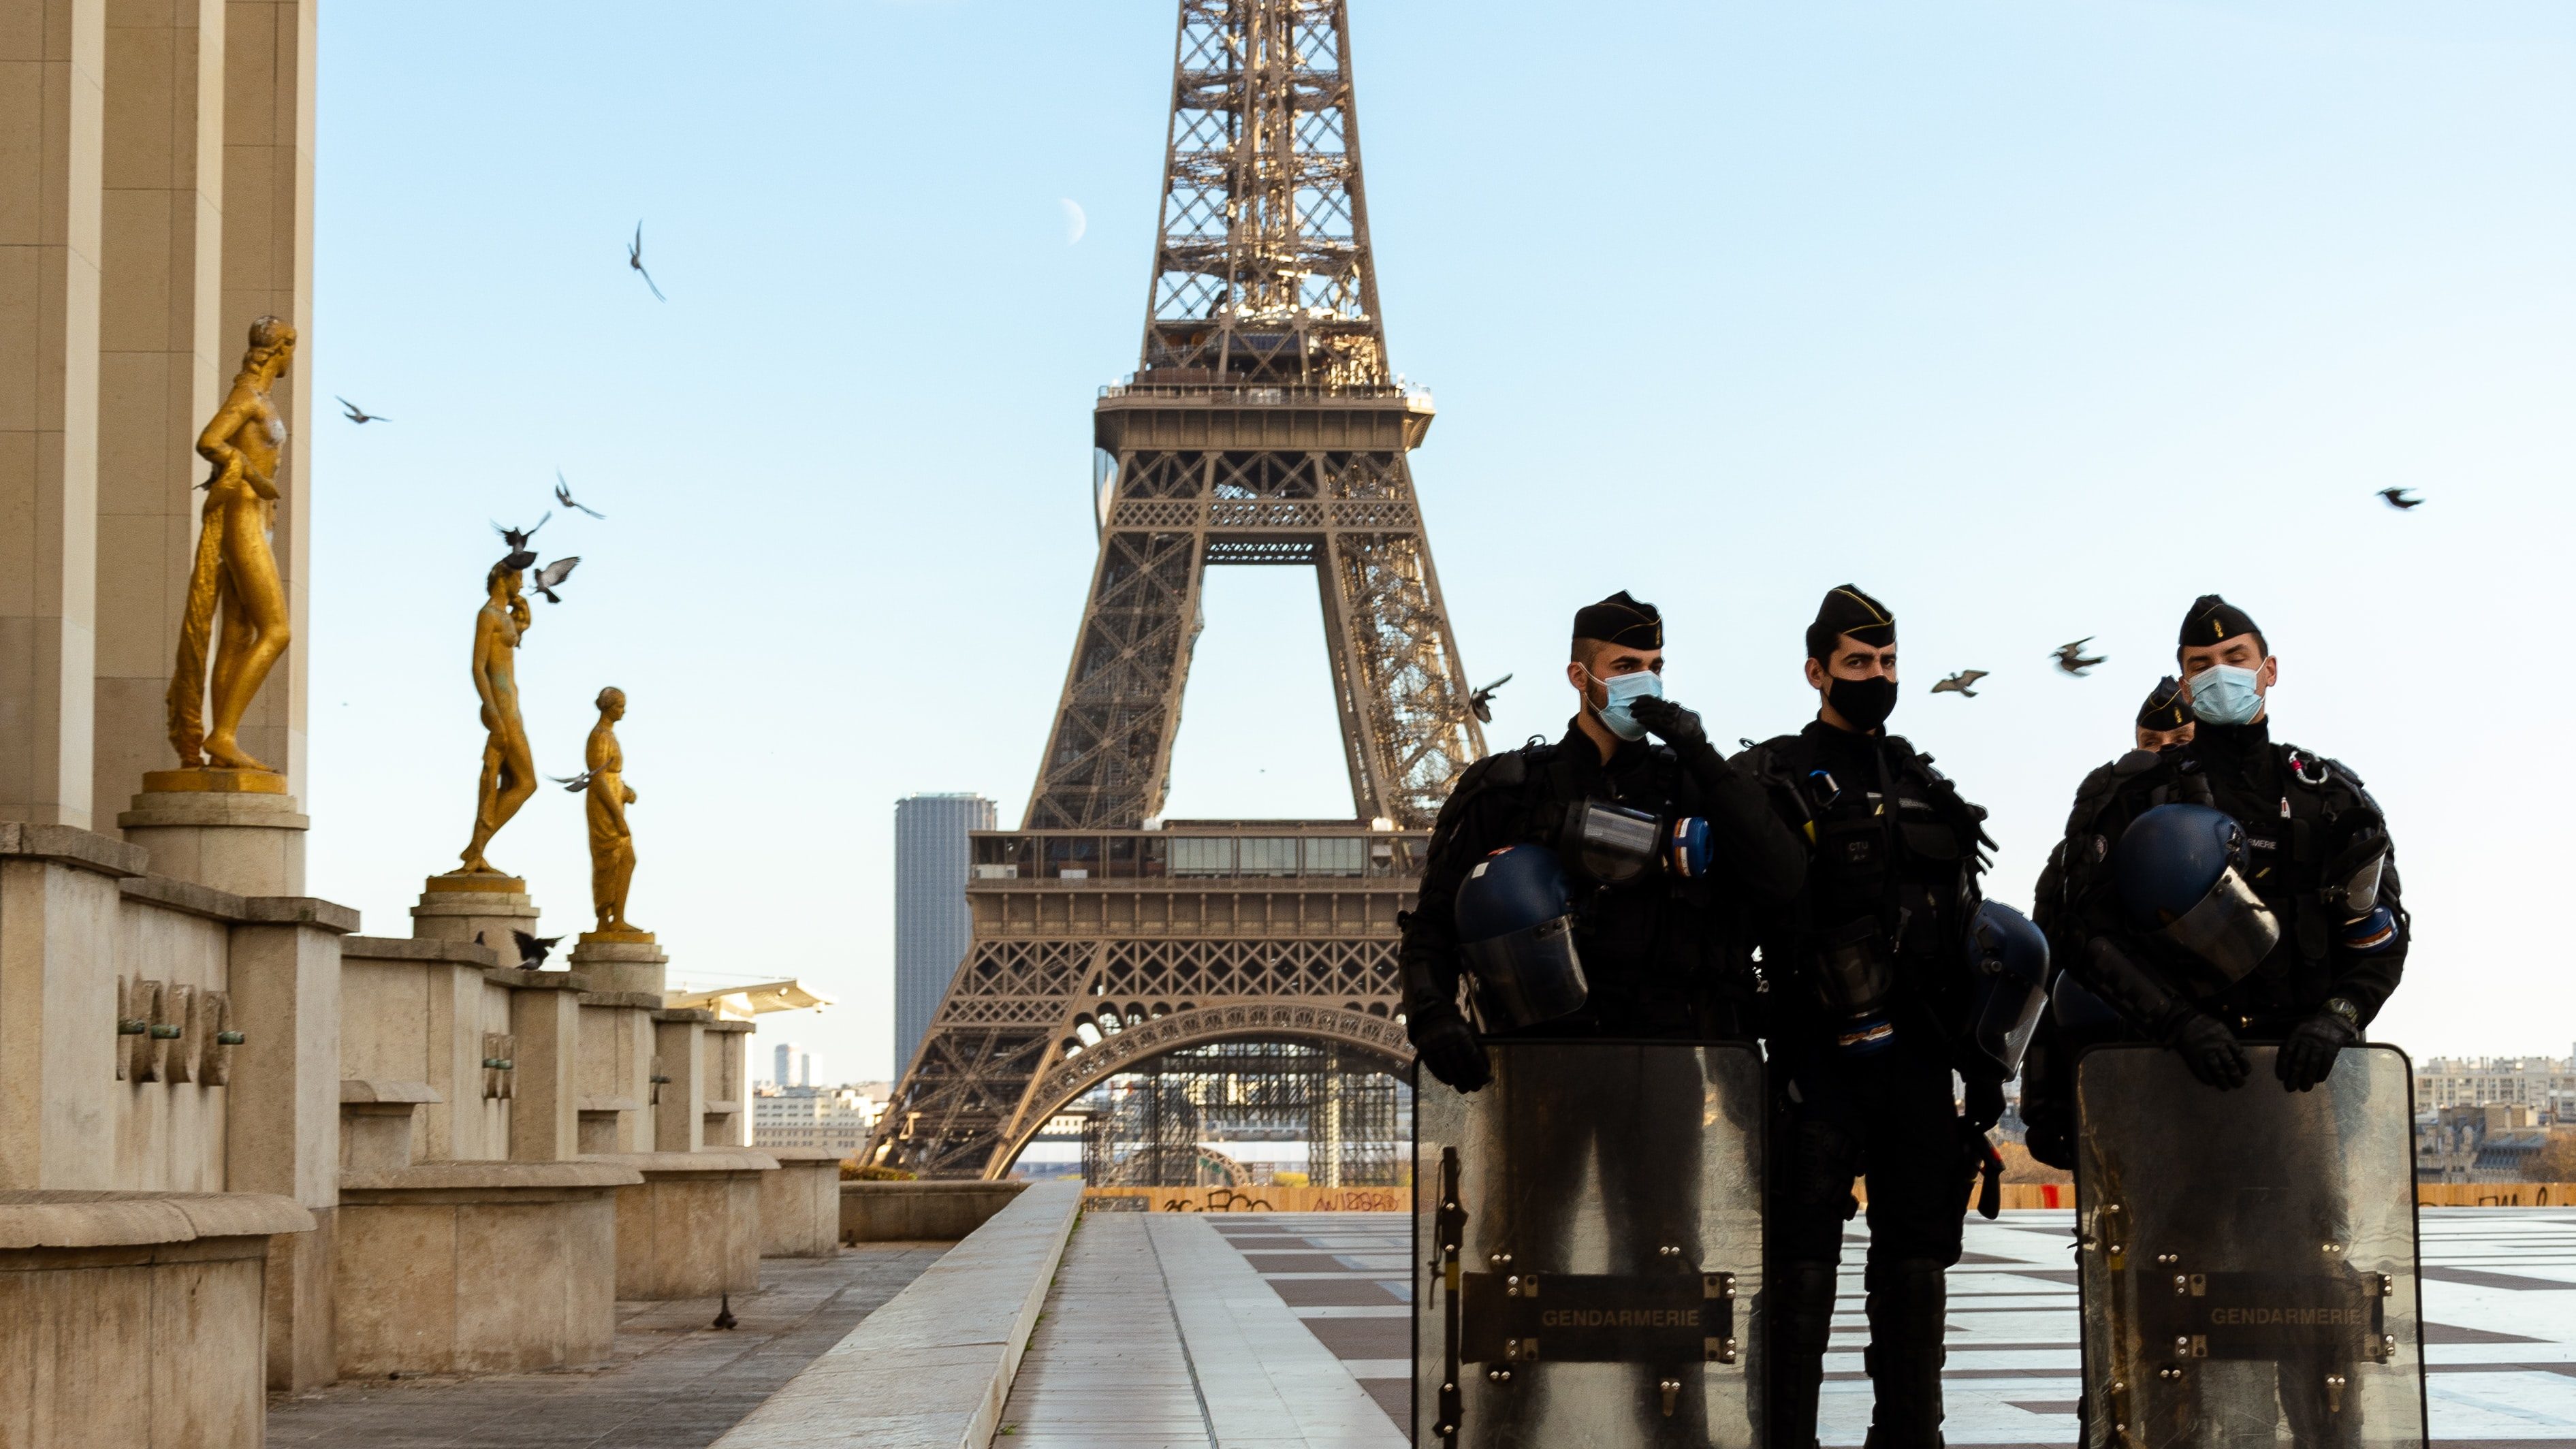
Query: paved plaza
[(2500, 1297), (674, 1382)]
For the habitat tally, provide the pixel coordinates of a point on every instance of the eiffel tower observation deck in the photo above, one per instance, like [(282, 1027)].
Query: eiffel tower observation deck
[(1175, 983)]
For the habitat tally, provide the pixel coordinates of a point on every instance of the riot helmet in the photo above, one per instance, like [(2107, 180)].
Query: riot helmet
[(2083, 1018), (2008, 975), (2180, 874), (1516, 932)]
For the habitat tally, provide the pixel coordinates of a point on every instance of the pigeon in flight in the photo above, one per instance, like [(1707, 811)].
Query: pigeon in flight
[(2073, 659), (532, 949), (1960, 683), (573, 784), (553, 574), (563, 495), (358, 414), (2400, 499), (635, 259), (518, 538), (1482, 701)]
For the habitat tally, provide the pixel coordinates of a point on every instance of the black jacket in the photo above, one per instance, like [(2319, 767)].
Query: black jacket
[(1652, 948), (1889, 838), (2307, 819)]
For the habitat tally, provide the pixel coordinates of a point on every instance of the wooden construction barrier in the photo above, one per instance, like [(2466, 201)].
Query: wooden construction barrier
[(2017, 1197)]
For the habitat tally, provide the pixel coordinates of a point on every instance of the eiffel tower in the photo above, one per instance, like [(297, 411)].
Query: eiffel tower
[(1262, 426)]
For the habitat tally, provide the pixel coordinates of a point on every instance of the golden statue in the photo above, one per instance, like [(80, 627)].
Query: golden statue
[(235, 565), (612, 844), (509, 770)]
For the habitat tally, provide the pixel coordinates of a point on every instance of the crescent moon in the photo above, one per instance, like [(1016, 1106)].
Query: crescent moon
[(1075, 223)]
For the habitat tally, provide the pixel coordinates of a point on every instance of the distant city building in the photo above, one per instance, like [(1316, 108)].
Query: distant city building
[(2546, 1085), (2494, 1143), (834, 1118), (791, 1066), (931, 928)]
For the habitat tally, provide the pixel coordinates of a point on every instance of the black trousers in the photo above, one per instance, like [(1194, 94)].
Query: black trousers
[(1889, 1117)]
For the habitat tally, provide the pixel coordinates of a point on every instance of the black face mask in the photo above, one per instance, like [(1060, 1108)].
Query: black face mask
[(1865, 702)]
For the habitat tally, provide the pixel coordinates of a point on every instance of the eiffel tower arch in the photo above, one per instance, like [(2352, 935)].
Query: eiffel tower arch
[(1262, 426)]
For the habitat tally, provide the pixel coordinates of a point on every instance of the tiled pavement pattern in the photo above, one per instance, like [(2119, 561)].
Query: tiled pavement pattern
[(2500, 1335), (1158, 1335), (672, 1382)]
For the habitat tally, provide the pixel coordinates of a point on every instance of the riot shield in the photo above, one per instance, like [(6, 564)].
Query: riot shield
[(2247, 1258), (1588, 1249)]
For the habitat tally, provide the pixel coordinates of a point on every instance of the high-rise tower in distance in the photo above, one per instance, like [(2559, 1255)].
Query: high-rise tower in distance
[(931, 928)]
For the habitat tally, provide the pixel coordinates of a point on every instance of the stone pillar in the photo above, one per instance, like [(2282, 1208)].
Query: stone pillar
[(220, 828), (282, 1127), (545, 1116), (162, 364), (680, 1080), (268, 271), (52, 68), (621, 961), (461, 907)]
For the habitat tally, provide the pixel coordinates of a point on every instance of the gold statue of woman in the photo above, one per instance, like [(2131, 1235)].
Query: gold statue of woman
[(509, 769), (612, 844), (235, 565)]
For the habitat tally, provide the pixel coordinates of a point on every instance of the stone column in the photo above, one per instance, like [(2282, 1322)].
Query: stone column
[(282, 1128), (545, 1117), (161, 363), (52, 66), (680, 1093), (268, 271)]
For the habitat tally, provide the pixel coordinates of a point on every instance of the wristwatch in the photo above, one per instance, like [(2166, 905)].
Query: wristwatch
[(2345, 1011)]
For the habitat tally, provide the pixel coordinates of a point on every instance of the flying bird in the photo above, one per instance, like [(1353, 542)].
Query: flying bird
[(532, 949), (1482, 701), (573, 784), (2073, 659), (635, 259), (553, 574), (563, 495), (2398, 499), (518, 538), (358, 414), (1959, 683)]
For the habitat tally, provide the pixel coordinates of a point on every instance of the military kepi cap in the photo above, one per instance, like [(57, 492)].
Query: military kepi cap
[(1619, 619), (1846, 610), (2164, 709), (2213, 620)]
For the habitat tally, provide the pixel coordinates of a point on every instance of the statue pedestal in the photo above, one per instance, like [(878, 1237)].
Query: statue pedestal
[(460, 905), (233, 830), (621, 961)]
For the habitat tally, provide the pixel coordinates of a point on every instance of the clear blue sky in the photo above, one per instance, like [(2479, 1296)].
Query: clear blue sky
[(2036, 319)]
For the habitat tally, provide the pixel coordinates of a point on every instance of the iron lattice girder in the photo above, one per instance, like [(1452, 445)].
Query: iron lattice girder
[(1264, 236), (1071, 979), (1263, 426)]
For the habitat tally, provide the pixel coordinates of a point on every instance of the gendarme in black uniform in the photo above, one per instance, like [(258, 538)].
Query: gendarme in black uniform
[(1864, 986), (1652, 954), (1656, 965), (2309, 825)]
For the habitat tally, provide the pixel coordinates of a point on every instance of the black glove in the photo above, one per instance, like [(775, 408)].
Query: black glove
[(2309, 1054), (1674, 725), (2210, 1050), (1982, 1160), (1448, 1050)]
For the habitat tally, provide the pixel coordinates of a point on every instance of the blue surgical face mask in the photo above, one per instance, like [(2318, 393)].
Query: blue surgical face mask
[(1624, 690), (2223, 694)]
